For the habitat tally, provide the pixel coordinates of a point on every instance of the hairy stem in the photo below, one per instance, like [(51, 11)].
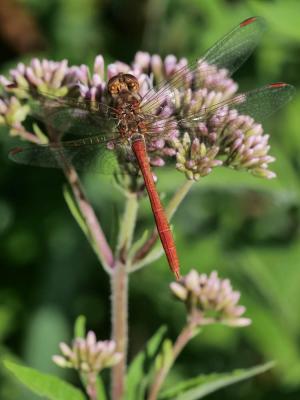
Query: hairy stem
[(119, 299), (119, 296), (170, 211), (183, 338)]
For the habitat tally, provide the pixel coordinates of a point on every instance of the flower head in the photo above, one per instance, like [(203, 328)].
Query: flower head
[(46, 76), (12, 112), (88, 355), (210, 299)]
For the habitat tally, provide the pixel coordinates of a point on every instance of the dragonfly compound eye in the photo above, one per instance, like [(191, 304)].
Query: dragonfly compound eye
[(115, 85), (131, 82)]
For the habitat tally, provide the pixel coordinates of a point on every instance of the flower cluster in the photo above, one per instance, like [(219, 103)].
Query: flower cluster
[(186, 122), (12, 112), (88, 355), (210, 299)]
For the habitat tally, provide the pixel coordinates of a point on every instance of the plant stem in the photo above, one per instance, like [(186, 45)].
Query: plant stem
[(119, 295), (128, 224), (183, 338), (178, 197), (119, 299), (170, 211)]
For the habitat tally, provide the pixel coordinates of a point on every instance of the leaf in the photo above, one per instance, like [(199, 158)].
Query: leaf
[(199, 387), (141, 366), (79, 327), (48, 386), (165, 357), (167, 350)]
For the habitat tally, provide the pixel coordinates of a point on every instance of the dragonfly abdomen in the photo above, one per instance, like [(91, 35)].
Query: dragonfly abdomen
[(161, 221)]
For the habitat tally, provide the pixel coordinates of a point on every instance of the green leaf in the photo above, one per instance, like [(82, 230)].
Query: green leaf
[(79, 327), (48, 386), (165, 358), (140, 368), (199, 387)]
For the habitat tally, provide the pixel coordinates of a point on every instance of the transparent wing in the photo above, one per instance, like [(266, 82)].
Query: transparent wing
[(85, 155), (230, 53), (234, 48), (65, 115), (258, 104)]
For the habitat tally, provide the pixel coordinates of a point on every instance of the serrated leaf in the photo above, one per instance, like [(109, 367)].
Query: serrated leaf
[(48, 386), (199, 387), (141, 367), (79, 327)]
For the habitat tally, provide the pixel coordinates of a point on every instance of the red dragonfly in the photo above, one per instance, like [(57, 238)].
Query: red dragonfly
[(130, 123)]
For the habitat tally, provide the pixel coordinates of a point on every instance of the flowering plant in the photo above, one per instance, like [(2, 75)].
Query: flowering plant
[(195, 119)]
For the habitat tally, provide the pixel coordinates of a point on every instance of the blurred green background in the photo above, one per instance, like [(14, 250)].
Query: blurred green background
[(246, 228)]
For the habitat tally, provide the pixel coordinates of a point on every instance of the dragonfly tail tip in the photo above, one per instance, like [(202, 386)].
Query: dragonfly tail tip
[(177, 275)]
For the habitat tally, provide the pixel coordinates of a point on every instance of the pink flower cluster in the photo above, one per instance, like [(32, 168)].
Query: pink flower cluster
[(220, 136)]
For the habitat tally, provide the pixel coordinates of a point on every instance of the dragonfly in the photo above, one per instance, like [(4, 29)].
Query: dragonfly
[(124, 129)]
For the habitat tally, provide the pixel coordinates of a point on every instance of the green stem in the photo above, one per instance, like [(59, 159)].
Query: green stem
[(119, 296), (127, 225), (183, 338), (178, 197), (146, 253)]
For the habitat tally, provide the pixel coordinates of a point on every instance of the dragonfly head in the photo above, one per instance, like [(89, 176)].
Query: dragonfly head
[(122, 83)]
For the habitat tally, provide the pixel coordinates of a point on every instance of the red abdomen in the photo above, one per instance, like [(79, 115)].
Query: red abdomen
[(162, 224)]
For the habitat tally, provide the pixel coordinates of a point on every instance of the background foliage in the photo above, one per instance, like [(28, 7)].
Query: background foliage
[(246, 228)]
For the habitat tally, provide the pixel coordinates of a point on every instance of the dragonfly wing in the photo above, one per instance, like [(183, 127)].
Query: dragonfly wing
[(82, 156), (230, 52), (62, 119), (64, 115), (234, 48), (258, 104)]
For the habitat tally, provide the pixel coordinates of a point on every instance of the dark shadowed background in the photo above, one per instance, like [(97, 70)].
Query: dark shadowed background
[(245, 227)]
